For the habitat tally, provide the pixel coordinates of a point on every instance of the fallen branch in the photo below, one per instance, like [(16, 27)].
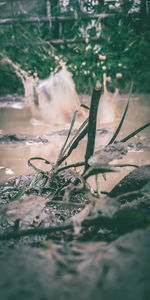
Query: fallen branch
[(98, 220)]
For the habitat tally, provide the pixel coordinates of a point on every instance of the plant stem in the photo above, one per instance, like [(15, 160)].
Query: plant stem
[(92, 125)]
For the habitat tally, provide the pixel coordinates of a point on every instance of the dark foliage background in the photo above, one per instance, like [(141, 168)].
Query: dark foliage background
[(122, 45)]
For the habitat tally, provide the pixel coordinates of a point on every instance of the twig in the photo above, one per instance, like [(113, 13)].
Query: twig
[(35, 231), (98, 220)]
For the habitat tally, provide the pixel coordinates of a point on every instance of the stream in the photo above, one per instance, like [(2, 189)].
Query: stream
[(15, 118)]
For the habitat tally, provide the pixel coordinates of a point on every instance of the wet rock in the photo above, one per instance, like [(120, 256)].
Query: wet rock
[(134, 181), (17, 138)]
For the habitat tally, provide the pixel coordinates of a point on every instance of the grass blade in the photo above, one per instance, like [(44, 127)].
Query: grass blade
[(76, 165), (122, 119), (134, 133), (74, 145), (38, 158), (77, 134), (62, 151), (99, 169), (65, 146)]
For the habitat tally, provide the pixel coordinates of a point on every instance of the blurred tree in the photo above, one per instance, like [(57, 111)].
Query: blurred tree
[(121, 49)]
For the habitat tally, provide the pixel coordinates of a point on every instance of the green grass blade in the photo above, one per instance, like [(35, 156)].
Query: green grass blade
[(65, 146), (122, 119), (74, 144), (76, 165), (77, 134), (85, 106), (99, 169), (134, 133), (62, 151), (38, 158)]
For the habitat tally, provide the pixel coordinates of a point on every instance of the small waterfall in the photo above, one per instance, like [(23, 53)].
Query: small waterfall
[(55, 99), (58, 97)]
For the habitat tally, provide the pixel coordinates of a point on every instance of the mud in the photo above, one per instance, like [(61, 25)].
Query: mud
[(109, 258)]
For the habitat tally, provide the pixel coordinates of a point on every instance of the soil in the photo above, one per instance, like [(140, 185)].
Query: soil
[(44, 255)]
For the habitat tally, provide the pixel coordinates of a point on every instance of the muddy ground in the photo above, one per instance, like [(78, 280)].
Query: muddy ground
[(44, 255), (49, 249)]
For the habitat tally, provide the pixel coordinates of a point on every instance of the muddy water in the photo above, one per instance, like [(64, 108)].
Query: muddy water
[(15, 118)]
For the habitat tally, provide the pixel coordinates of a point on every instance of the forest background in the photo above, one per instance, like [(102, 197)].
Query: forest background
[(91, 37)]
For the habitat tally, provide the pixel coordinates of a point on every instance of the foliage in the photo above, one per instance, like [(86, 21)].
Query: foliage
[(122, 46)]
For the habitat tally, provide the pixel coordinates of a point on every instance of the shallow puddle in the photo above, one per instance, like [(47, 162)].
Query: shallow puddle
[(15, 118)]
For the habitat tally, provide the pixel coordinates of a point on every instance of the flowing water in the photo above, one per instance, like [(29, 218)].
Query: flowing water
[(15, 118)]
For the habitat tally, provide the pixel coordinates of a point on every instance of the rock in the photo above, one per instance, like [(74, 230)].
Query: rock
[(17, 138), (134, 181)]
